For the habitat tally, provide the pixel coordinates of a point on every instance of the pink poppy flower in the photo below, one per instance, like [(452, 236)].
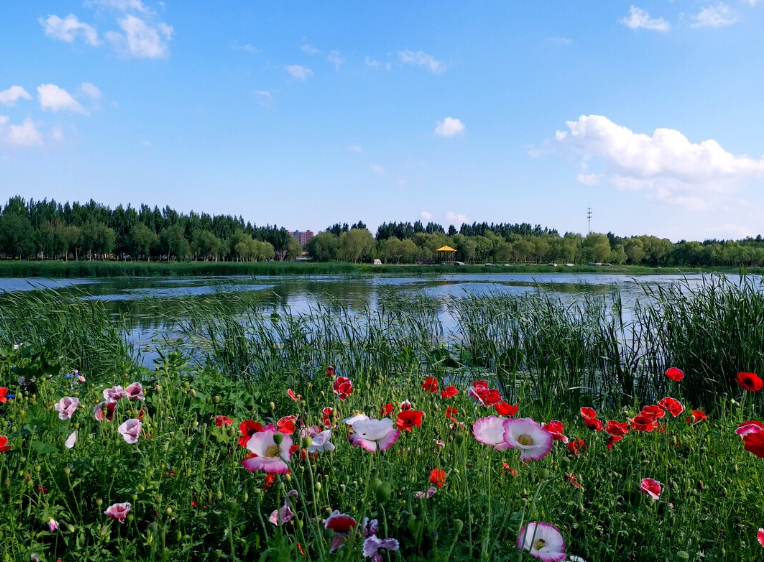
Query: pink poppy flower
[(533, 441), (341, 524), (71, 440), (373, 434), (542, 540), (114, 393), (321, 443), (52, 525), (130, 431), (749, 427), (271, 456), (285, 514), (490, 431), (135, 392), (651, 487), (373, 547), (431, 491), (105, 411), (118, 511), (760, 537), (66, 407)]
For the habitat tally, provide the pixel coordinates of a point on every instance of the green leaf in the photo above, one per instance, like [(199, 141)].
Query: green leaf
[(43, 448)]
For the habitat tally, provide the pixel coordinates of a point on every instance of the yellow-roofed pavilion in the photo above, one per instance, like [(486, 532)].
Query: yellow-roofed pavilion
[(445, 253)]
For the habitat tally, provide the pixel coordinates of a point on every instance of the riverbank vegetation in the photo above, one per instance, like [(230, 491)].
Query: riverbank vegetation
[(47, 230), (644, 453)]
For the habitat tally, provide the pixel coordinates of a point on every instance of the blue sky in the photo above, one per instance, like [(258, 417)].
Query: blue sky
[(303, 114)]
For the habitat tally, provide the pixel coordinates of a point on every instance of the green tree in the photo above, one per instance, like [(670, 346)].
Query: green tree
[(324, 246), (141, 241), (356, 244)]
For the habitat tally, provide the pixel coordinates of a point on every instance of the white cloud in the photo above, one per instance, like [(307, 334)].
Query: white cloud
[(299, 72), (666, 165), (589, 179), (714, 16), (57, 134), (372, 63), (449, 127), (751, 2), (336, 59), (355, 148), (377, 169), (559, 40), (141, 39), (246, 47), (305, 48), (90, 90), (55, 99), (263, 97), (640, 19), (24, 135), (425, 215), (401, 181), (12, 94), (68, 29), (3, 119), (457, 219), (420, 58)]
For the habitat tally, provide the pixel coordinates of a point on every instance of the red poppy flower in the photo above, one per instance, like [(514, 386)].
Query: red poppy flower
[(612, 439), (572, 480), (754, 443), (449, 392), (651, 487), (405, 405), (386, 410), (555, 428), (643, 423), (506, 469), (330, 371), (588, 413), (408, 419), (451, 414), (760, 536), (652, 412), (615, 428), (339, 522), (286, 424), (141, 414), (576, 446), (220, 421), (504, 409), (4, 444), (750, 381), (486, 396), (672, 405), (430, 384), (248, 428), (697, 415), (293, 396), (438, 477), (343, 387), (326, 417), (675, 374), (3, 395), (594, 424)]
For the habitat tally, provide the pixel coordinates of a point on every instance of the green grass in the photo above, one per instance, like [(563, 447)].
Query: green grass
[(82, 268), (192, 499)]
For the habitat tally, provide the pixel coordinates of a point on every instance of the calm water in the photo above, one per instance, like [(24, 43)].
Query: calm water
[(148, 306)]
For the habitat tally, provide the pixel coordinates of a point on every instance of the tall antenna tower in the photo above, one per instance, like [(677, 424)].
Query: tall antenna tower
[(589, 218)]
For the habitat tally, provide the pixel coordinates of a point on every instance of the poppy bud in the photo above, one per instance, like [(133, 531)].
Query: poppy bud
[(459, 439), (169, 511), (412, 522), (7, 482), (192, 392), (158, 388), (682, 555), (219, 495), (216, 399), (288, 477), (70, 528), (544, 473), (306, 441), (141, 488), (99, 501), (458, 525), (318, 486), (273, 406), (135, 497), (278, 438), (383, 492), (178, 536)]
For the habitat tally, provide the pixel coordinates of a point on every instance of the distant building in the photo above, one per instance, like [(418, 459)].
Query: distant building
[(302, 236)]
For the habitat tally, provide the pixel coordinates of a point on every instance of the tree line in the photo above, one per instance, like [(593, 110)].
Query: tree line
[(50, 230)]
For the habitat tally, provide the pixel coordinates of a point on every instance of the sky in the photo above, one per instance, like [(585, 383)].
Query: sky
[(307, 113)]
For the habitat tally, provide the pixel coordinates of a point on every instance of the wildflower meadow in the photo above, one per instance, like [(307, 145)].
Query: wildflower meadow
[(184, 461)]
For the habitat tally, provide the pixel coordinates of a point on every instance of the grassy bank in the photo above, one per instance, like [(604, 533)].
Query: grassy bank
[(79, 269)]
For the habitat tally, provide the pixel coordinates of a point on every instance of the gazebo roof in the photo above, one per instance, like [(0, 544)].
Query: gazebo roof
[(445, 249)]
